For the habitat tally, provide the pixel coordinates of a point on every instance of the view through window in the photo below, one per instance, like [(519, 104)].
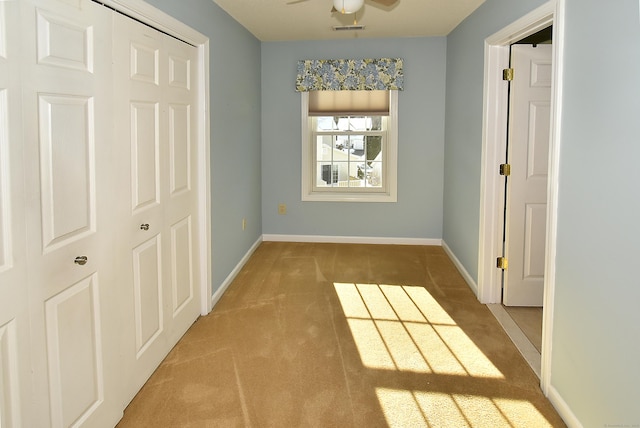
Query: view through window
[(349, 151)]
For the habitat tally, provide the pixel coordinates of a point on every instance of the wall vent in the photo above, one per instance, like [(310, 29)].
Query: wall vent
[(348, 27)]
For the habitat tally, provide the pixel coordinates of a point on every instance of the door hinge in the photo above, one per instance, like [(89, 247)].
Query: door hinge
[(507, 74), (505, 169), (502, 263)]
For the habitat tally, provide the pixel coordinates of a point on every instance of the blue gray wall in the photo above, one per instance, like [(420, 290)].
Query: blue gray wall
[(595, 350), (235, 130), (596, 340), (418, 212)]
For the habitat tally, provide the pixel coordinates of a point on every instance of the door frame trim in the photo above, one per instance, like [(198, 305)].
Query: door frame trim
[(155, 18), (496, 57)]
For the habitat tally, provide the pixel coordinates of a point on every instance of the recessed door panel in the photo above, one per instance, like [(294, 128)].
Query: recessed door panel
[(145, 155), (144, 63), (73, 351), (147, 283), (541, 73), (179, 72), (536, 220), (181, 264), (180, 146), (6, 247), (9, 390), (67, 178), (538, 149), (64, 43)]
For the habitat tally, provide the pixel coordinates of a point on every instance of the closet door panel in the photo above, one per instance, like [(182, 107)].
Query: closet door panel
[(15, 380), (180, 148), (142, 152), (67, 169), (145, 155), (64, 42), (74, 339), (182, 285), (10, 399), (154, 81), (182, 200), (69, 198), (147, 284)]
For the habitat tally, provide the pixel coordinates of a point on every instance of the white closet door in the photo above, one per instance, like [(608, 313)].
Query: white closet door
[(69, 195), (155, 101), (181, 208), (14, 316)]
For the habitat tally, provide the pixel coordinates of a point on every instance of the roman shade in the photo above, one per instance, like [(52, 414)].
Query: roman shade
[(348, 103)]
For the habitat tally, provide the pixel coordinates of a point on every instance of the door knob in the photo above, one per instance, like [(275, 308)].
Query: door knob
[(81, 260), (144, 226)]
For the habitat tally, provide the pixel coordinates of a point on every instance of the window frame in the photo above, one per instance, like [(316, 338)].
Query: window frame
[(354, 194)]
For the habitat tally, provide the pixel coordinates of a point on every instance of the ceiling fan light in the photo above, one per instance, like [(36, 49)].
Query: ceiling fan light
[(348, 6)]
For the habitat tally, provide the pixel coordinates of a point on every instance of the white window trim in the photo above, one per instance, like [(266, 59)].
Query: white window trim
[(390, 163)]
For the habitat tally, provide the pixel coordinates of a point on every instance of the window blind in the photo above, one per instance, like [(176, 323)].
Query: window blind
[(352, 103)]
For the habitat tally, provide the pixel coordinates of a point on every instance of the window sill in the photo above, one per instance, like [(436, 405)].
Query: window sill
[(348, 197)]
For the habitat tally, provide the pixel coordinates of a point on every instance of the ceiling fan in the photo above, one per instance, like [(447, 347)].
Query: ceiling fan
[(350, 6)]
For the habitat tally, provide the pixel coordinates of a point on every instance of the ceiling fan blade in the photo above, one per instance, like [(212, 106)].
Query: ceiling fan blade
[(384, 2)]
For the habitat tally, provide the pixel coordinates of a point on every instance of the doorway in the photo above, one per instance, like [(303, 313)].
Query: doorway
[(492, 223), (525, 181)]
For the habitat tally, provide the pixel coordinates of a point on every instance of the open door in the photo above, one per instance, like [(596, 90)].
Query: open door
[(526, 189)]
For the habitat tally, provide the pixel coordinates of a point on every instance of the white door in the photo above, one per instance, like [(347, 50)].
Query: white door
[(155, 101), (14, 316), (529, 118), (69, 194)]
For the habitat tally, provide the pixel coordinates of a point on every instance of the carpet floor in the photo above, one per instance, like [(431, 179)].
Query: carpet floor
[(344, 335)]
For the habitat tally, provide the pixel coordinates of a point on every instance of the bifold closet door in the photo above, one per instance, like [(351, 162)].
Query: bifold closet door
[(69, 195), (14, 313), (156, 137)]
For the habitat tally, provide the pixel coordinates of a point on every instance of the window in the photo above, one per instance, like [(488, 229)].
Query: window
[(349, 146)]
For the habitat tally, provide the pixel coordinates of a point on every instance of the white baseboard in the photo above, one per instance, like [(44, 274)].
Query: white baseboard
[(563, 408), (229, 279), (468, 279), (351, 239), (314, 238)]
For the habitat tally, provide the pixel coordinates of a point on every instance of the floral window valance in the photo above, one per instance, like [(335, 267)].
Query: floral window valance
[(349, 74)]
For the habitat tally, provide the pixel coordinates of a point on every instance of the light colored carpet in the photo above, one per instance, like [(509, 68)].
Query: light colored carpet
[(341, 335)]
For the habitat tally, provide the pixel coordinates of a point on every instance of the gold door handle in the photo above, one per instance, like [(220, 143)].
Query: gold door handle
[(81, 260), (144, 226)]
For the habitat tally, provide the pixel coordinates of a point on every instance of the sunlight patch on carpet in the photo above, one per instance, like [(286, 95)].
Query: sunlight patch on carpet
[(416, 409), (403, 328)]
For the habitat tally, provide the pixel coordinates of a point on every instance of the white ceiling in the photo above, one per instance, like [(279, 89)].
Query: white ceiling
[(278, 20)]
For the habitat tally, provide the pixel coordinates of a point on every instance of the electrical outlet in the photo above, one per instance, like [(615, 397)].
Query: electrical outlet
[(244, 223), (282, 209)]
